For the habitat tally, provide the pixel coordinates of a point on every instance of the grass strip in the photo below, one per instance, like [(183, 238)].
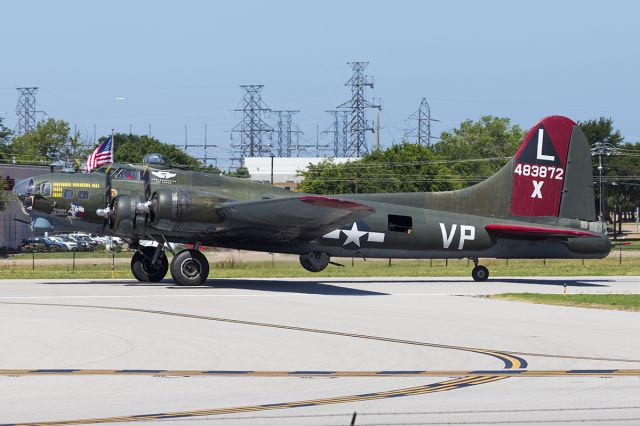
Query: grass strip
[(101, 268), (619, 302)]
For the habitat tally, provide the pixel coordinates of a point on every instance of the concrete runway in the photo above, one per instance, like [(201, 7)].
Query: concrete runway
[(313, 352)]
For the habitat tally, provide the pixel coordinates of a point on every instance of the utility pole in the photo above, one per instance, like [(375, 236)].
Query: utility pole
[(378, 130), (272, 156), (26, 109), (422, 132), (600, 149), (358, 105), (253, 129)]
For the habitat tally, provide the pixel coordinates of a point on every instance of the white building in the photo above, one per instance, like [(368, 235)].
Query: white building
[(285, 169)]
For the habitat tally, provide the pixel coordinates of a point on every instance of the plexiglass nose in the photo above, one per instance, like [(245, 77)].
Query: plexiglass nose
[(24, 190)]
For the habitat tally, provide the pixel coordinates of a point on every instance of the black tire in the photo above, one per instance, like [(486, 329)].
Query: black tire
[(480, 273), (144, 271), (189, 267)]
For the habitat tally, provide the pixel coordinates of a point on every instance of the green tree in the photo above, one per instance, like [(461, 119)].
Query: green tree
[(404, 167), (45, 143), (479, 148), (5, 138), (129, 148), (601, 130), (240, 172), (5, 154), (620, 168)]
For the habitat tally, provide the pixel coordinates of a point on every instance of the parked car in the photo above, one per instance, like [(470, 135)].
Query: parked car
[(70, 244), (82, 245), (85, 238), (53, 245), (103, 239), (32, 244)]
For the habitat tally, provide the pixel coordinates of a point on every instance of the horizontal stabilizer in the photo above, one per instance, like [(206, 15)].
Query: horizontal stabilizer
[(537, 231)]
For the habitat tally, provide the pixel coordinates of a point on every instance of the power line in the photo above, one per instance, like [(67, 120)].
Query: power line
[(200, 151)]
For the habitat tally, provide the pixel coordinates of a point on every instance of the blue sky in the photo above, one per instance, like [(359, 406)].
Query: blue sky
[(180, 63)]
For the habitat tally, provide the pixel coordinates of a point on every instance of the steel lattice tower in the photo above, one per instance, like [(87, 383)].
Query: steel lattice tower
[(285, 145), (340, 131), (26, 109), (358, 125), (423, 116), (253, 129)]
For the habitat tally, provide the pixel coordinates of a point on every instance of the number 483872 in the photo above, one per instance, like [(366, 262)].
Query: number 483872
[(539, 171)]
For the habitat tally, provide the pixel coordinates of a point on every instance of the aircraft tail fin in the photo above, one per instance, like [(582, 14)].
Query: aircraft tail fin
[(552, 172), (549, 176)]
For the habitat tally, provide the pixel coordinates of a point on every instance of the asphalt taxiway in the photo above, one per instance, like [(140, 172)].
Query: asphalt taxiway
[(303, 351)]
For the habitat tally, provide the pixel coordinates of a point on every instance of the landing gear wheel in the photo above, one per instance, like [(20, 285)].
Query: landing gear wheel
[(480, 273), (189, 267), (144, 270)]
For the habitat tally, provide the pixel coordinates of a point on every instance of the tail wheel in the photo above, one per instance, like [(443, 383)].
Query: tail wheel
[(189, 267), (480, 273), (144, 270)]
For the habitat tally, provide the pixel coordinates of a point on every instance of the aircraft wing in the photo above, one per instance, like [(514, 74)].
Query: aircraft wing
[(289, 219), (537, 231)]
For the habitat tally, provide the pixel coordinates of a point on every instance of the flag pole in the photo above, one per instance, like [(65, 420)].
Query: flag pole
[(110, 238)]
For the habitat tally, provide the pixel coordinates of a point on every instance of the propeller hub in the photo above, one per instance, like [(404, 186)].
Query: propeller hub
[(143, 207), (105, 213)]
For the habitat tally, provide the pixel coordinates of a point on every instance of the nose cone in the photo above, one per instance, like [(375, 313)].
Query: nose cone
[(25, 190)]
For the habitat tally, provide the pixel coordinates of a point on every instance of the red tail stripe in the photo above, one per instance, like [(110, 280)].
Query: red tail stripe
[(537, 230)]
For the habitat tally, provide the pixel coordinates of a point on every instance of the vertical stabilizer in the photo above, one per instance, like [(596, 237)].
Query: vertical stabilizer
[(549, 176)]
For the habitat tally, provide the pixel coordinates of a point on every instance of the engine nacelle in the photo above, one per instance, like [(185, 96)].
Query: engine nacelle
[(315, 261), (125, 219), (184, 210)]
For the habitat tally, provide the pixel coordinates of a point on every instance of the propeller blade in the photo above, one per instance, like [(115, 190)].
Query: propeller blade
[(108, 186), (146, 179)]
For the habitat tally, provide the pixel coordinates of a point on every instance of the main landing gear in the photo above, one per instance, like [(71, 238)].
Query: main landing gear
[(479, 272), (149, 264), (188, 267)]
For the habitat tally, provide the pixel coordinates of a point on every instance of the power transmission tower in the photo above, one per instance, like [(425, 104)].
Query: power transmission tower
[(285, 145), (358, 105), (422, 132), (26, 109), (340, 132), (199, 151), (253, 130)]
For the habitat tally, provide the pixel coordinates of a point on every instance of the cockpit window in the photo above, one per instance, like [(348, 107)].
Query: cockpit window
[(45, 190), (127, 174)]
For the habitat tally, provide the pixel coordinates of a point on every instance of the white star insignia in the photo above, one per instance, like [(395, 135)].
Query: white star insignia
[(353, 235)]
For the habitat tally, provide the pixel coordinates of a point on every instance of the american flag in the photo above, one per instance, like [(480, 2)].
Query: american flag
[(103, 154)]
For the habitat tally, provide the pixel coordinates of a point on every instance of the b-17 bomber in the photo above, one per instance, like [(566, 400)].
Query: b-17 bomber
[(539, 205)]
